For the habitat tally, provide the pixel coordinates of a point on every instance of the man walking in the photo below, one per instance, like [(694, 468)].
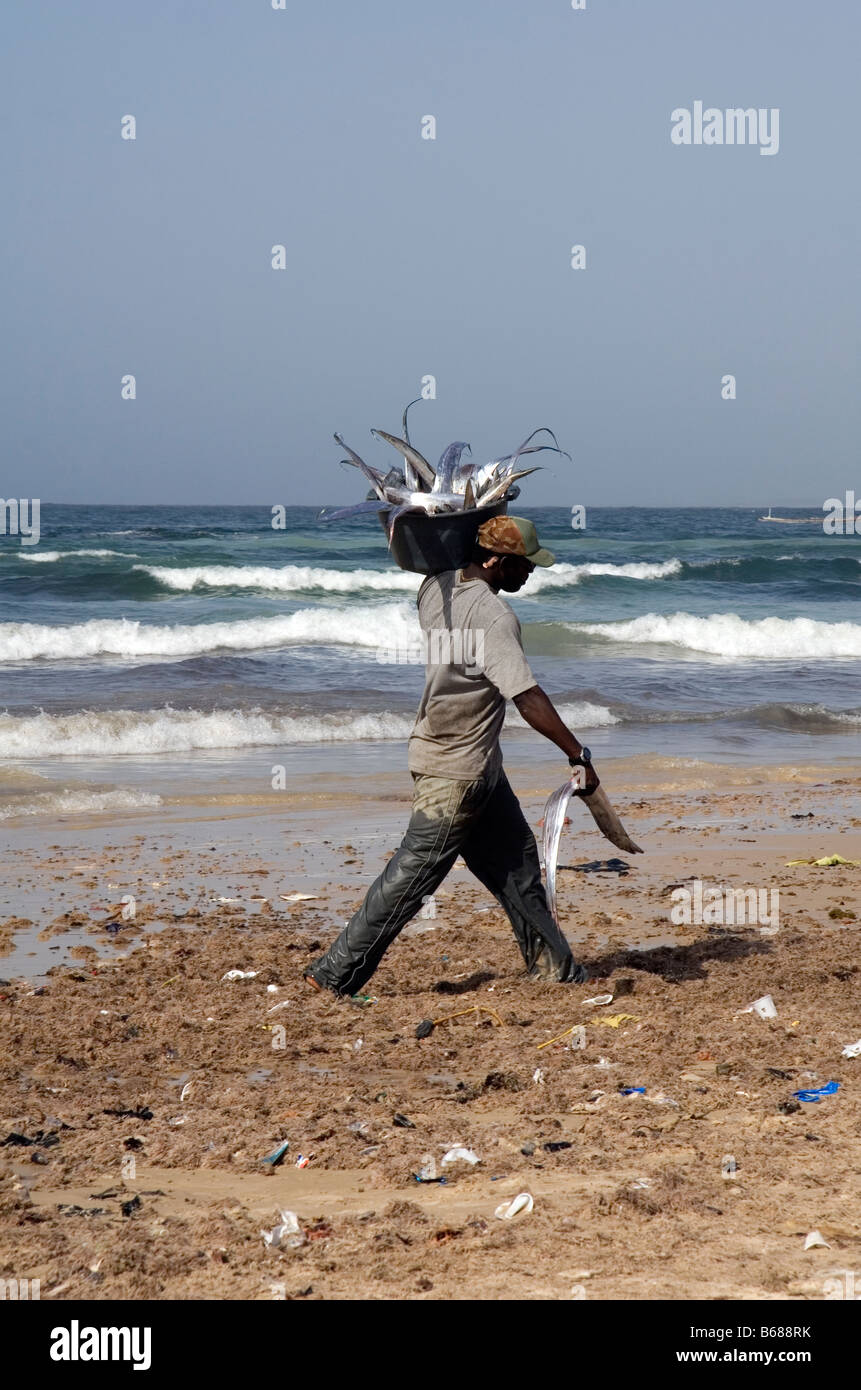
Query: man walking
[(462, 801)]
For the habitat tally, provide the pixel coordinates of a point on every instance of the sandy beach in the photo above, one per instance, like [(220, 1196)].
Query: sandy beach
[(140, 1089)]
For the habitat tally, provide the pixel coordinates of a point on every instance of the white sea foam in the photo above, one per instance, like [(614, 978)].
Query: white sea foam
[(72, 801), (46, 556), (116, 733), (728, 635), (582, 715), (296, 578), (563, 576), (382, 626), (281, 579)]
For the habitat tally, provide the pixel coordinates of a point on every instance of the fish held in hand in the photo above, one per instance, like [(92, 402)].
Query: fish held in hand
[(606, 819)]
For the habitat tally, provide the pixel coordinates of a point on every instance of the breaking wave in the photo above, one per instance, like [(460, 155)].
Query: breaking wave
[(299, 578), (46, 556), (117, 733), (563, 576), (728, 635), (77, 802), (285, 579), (382, 626)]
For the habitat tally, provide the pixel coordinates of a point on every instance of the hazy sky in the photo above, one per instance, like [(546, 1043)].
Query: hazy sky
[(408, 256)]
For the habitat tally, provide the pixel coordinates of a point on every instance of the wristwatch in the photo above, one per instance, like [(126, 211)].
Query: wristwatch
[(584, 759)]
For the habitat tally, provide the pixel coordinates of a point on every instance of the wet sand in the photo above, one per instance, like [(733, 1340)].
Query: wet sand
[(634, 1196)]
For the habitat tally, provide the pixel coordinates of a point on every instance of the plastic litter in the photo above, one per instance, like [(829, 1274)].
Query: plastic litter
[(240, 974), (814, 1239), (428, 1173), (812, 1097), (461, 1013), (523, 1202), (296, 897), (277, 1155), (184, 1092), (764, 1007), (599, 1001), (288, 1233), (275, 1007), (464, 1155), (560, 1036), (363, 1000), (632, 1091), (271, 989), (828, 862), (556, 1145), (578, 1039), (853, 1049), (538, 1076), (616, 1020), (402, 1121), (303, 1160)]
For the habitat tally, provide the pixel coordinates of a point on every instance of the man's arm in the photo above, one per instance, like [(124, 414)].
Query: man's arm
[(540, 713)]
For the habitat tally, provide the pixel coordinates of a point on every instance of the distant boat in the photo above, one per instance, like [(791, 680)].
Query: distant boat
[(791, 520)]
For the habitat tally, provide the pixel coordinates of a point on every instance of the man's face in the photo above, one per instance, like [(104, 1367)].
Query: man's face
[(514, 570)]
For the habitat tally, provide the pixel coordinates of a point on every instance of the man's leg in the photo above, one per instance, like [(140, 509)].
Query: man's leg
[(443, 812), (502, 853)]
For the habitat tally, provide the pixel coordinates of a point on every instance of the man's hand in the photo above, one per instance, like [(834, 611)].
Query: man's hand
[(588, 780)]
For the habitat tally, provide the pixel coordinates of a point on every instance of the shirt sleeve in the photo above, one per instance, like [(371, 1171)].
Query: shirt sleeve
[(504, 663)]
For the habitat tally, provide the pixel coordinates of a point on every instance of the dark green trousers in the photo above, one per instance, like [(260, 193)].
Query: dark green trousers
[(483, 822)]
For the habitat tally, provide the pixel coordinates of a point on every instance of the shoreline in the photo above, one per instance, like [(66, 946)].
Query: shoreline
[(136, 1073)]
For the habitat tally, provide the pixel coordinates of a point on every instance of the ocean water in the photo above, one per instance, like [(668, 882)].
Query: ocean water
[(136, 642)]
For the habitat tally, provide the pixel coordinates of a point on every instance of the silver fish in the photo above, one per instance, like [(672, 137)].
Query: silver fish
[(419, 463), (443, 482), (428, 502), (411, 477), (493, 494), (341, 513), (554, 818), (371, 474)]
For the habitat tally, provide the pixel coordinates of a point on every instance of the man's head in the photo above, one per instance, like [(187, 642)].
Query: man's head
[(507, 550)]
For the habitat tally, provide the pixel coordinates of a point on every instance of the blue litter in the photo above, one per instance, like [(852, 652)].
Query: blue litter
[(633, 1091), (830, 1089), (277, 1154)]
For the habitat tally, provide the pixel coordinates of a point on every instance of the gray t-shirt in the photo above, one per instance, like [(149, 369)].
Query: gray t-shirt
[(475, 663)]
